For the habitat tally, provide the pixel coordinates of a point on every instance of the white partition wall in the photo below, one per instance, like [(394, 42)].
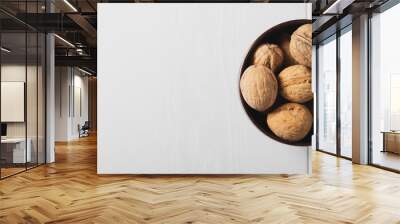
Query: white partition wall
[(168, 90)]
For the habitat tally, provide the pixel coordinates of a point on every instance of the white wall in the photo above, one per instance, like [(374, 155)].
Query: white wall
[(62, 82), (67, 117), (168, 95)]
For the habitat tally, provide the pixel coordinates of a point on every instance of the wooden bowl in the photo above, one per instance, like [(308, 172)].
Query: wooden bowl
[(259, 118)]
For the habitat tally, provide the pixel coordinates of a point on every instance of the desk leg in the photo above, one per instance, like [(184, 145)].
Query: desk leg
[(19, 152), (384, 142)]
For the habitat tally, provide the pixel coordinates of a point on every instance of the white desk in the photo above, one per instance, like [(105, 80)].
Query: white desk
[(18, 150)]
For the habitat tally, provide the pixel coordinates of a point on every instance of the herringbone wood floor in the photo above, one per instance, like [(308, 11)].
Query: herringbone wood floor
[(70, 191)]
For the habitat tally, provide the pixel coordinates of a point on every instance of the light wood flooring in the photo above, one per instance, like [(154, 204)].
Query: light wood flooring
[(70, 191), (387, 159)]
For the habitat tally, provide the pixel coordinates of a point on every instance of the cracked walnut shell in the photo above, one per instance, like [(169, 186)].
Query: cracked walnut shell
[(291, 121), (301, 45), (269, 55), (259, 87), (295, 83)]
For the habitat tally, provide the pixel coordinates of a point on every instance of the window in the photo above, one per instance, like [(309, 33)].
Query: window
[(334, 103), (385, 89), (346, 95), (327, 96), (394, 118)]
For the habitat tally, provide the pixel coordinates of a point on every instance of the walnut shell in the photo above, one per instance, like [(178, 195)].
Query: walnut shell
[(259, 87), (284, 44), (269, 55), (295, 83), (291, 121), (301, 45)]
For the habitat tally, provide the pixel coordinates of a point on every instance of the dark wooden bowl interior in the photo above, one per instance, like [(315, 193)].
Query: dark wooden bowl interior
[(259, 118)]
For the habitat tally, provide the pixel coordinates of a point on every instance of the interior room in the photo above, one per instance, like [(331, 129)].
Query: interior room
[(159, 111)]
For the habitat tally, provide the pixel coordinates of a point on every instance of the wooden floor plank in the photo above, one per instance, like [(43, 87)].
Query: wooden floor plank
[(70, 191)]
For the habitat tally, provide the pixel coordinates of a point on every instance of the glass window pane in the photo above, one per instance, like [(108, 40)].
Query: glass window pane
[(327, 96), (346, 94), (41, 98), (22, 90), (13, 86), (385, 89), (32, 95)]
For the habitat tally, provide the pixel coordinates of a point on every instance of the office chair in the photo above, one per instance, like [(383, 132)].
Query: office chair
[(84, 130)]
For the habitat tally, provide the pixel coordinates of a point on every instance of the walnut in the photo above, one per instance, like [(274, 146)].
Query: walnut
[(295, 83), (269, 55), (284, 44), (301, 46), (291, 121), (259, 87)]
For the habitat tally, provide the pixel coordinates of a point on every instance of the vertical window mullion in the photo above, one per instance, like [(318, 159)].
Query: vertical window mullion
[(338, 73), (317, 97), (369, 73), (26, 86), (37, 90)]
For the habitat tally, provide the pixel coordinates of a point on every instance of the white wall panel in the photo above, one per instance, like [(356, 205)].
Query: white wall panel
[(168, 94), (12, 101), (71, 100)]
